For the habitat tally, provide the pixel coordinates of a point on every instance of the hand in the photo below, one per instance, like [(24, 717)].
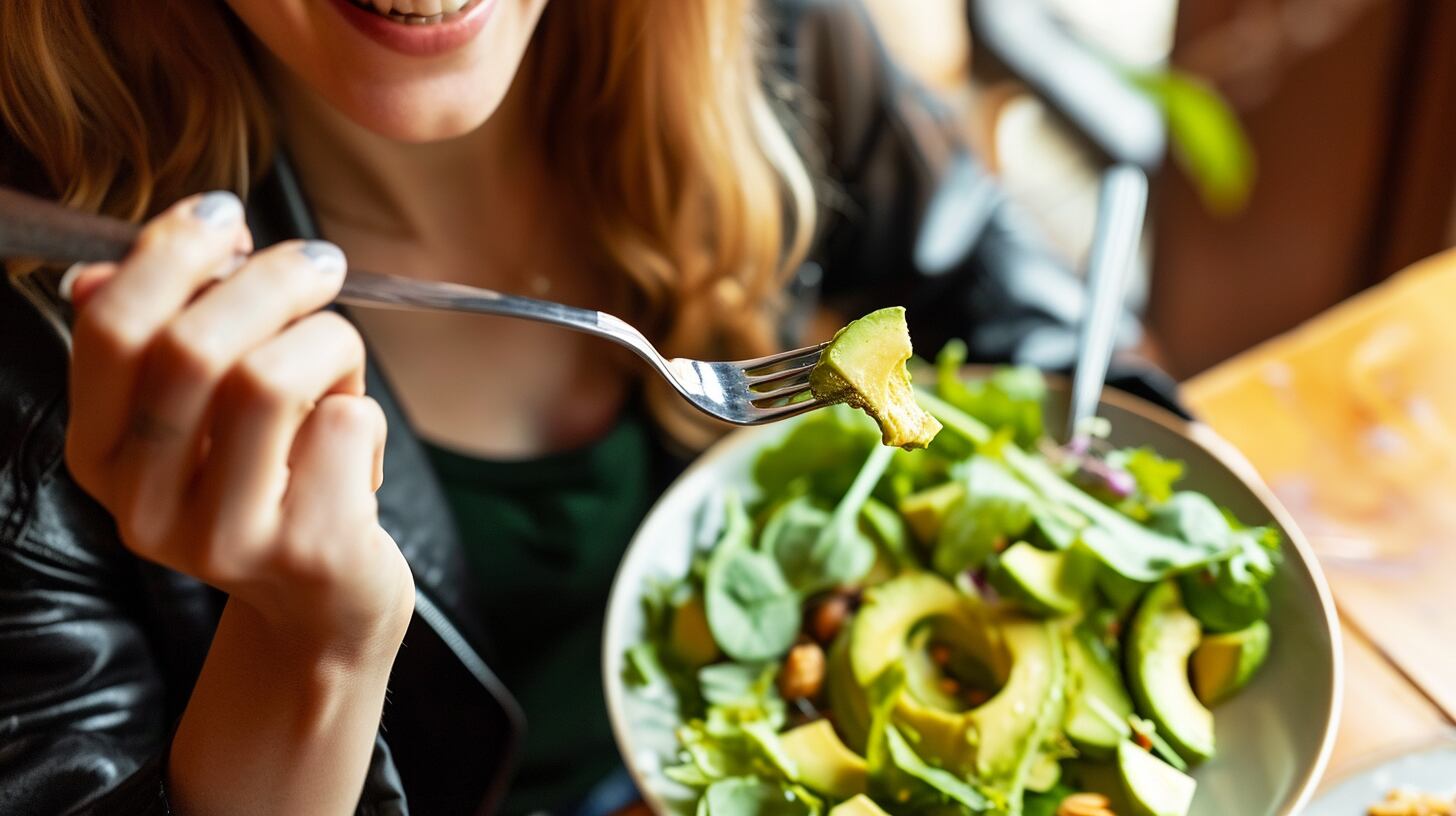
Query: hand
[(220, 417)]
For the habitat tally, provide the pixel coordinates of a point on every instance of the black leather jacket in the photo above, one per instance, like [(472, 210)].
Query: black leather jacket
[(99, 650)]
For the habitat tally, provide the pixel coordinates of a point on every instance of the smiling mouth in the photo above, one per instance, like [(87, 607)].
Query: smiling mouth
[(417, 12)]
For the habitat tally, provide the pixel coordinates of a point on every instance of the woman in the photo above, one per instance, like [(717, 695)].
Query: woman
[(213, 546)]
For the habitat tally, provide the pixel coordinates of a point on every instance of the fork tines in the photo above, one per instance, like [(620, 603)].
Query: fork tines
[(782, 376)]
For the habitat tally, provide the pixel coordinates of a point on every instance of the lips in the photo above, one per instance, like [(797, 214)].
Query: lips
[(421, 28)]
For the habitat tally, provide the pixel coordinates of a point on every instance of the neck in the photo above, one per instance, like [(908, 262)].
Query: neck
[(414, 192)]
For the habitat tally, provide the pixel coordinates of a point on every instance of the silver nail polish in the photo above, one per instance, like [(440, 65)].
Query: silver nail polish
[(218, 208), (67, 284), (324, 255)]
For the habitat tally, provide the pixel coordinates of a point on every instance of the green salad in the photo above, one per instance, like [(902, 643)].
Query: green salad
[(991, 625)]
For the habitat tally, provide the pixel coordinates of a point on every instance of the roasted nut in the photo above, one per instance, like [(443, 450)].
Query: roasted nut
[(1410, 803), (827, 618), (803, 672), (1085, 804)]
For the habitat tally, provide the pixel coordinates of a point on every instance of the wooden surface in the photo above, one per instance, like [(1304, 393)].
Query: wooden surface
[(1351, 419)]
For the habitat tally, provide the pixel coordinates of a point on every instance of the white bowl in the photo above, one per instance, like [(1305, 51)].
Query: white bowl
[(1273, 738)]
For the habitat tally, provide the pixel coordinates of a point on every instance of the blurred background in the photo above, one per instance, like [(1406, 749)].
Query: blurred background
[(1302, 150), (1295, 273)]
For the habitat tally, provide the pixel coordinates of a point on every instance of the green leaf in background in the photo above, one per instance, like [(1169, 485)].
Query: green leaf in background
[(826, 447), (753, 613), (1011, 398), (1155, 476), (1208, 141)]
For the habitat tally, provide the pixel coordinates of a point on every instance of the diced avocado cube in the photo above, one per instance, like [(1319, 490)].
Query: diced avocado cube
[(824, 763), (1223, 664), (1153, 787), (1046, 582), (925, 511)]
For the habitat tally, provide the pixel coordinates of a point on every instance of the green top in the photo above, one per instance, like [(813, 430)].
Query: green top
[(544, 537)]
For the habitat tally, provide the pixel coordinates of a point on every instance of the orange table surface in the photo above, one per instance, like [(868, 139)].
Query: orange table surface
[(1351, 419)]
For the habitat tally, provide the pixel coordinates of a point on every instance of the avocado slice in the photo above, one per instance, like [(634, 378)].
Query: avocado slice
[(864, 366), (691, 638), (859, 805), (925, 511), (1045, 582), (1153, 787), (846, 697), (1223, 664), (888, 628), (824, 763), (1163, 636), (891, 612), (1011, 727), (1096, 683)]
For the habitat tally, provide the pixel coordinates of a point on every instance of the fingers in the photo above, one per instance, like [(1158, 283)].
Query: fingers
[(332, 469), (190, 356), (178, 252), (258, 412)]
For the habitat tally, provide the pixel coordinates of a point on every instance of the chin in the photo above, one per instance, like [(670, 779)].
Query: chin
[(423, 111), (407, 77)]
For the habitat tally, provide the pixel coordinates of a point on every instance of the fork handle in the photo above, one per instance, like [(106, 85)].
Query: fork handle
[(33, 227)]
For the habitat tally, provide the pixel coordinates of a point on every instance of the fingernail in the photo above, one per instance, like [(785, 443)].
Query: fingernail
[(68, 280), (218, 208), (325, 256)]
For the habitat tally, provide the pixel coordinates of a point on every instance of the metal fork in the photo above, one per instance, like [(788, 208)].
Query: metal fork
[(742, 392)]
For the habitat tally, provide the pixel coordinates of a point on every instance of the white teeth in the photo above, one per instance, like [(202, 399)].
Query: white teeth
[(418, 12)]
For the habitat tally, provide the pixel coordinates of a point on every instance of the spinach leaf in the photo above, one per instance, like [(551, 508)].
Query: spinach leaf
[(747, 796), (1194, 518), (997, 509), (1228, 595), (839, 553), (1129, 548), (739, 684), (890, 530), (790, 536), (824, 448), (753, 613)]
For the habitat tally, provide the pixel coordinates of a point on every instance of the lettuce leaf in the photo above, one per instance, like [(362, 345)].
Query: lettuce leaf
[(1011, 398)]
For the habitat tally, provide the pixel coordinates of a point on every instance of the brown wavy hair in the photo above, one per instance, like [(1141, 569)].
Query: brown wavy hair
[(692, 189)]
